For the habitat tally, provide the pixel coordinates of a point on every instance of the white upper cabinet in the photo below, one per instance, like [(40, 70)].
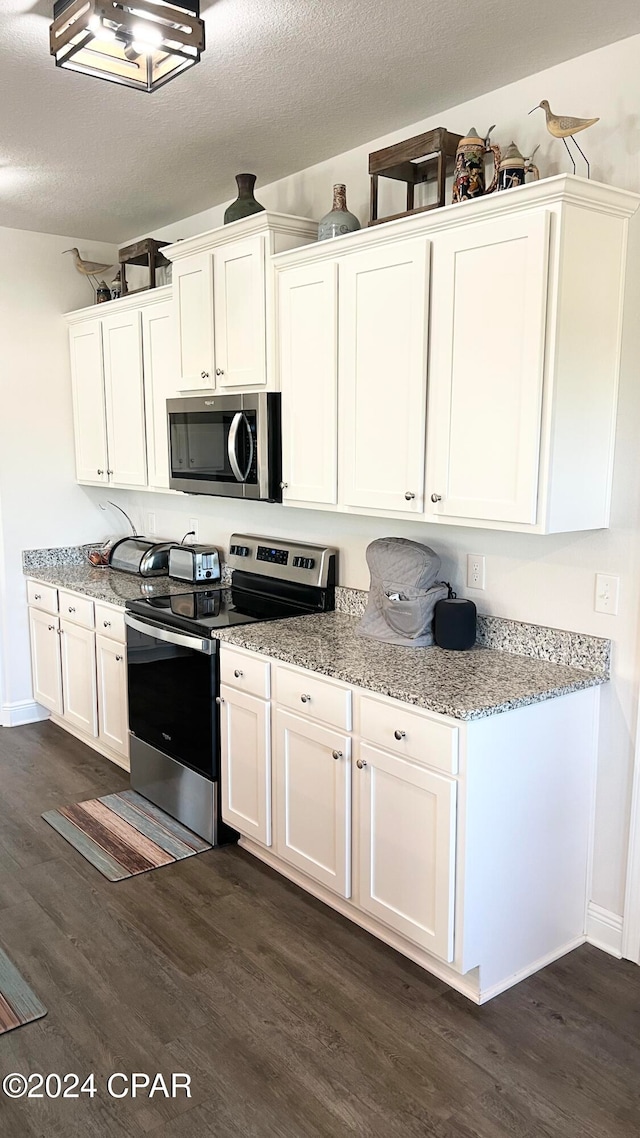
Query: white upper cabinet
[(193, 313), (487, 361), (239, 291), (160, 380), (87, 381), (383, 327), (124, 395), (308, 352)]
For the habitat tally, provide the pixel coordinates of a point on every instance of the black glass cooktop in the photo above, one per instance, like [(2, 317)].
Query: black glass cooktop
[(204, 610)]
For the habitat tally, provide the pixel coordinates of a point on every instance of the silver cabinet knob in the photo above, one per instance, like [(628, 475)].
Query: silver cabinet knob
[(305, 698), (109, 472), (219, 700), (284, 485), (107, 623), (37, 596), (204, 375), (71, 608), (119, 658), (436, 497), (409, 495), (51, 627), (59, 631), (337, 754), (219, 371), (237, 673), (361, 763), (399, 734), (101, 472)]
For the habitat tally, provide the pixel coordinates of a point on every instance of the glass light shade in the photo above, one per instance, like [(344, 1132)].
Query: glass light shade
[(136, 43)]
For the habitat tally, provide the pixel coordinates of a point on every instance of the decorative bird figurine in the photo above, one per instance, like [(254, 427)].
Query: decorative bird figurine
[(89, 269), (564, 127)]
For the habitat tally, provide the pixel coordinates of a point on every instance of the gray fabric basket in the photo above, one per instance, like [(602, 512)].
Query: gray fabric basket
[(403, 593)]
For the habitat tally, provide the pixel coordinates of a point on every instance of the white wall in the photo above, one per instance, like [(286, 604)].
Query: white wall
[(547, 580), (40, 504)]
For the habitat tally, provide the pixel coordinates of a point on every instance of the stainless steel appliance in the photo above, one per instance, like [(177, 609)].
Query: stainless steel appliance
[(194, 563), (173, 675), (140, 555), (228, 445)]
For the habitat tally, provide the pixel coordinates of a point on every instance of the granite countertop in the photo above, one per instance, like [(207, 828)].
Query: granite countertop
[(464, 685), (111, 586)]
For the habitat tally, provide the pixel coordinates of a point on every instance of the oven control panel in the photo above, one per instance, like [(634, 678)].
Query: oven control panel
[(290, 561)]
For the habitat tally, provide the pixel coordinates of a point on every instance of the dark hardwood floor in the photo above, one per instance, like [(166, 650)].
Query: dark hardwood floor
[(291, 1022)]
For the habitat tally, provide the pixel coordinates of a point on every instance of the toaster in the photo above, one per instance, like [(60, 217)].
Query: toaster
[(140, 555), (194, 563)]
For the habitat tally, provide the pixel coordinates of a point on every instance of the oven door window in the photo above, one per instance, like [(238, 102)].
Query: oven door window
[(214, 446), (172, 700)]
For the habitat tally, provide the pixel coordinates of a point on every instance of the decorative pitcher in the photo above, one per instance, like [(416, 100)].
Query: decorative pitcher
[(513, 168), (469, 178)]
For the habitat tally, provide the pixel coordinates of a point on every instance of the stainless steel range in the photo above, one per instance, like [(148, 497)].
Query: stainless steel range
[(173, 672)]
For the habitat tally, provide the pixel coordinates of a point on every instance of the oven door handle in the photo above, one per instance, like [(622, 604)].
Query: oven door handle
[(158, 632), (232, 446)]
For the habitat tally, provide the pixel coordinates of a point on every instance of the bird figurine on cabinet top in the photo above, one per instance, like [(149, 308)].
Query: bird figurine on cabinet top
[(564, 127), (92, 270)]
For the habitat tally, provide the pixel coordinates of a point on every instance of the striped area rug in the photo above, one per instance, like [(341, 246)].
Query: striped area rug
[(18, 1005), (124, 834)]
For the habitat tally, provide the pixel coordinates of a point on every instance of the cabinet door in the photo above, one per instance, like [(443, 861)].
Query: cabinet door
[(246, 764), (313, 800), (193, 316), (89, 420), (406, 842), (239, 291), (45, 660), (124, 392), (79, 696), (111, 661), (383, 327), (308, 351), (487, 363), (160, 378)]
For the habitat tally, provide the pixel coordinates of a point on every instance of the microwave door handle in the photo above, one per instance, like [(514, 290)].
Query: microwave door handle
[(232, 446)]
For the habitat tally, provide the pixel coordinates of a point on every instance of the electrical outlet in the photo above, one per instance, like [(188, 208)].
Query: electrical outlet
[(151, 524), (193, 525), (607, 594), (475, 571)]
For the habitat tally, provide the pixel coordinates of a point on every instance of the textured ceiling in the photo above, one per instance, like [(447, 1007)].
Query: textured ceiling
[(283, 84)]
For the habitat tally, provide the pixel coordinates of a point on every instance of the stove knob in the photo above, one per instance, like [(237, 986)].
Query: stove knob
[(208, 573)]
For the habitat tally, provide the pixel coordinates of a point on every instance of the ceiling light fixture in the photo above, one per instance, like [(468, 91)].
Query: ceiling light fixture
[(136, 43)]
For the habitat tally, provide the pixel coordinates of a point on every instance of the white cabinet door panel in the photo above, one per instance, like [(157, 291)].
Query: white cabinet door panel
[(308, 347), (245, 737), (87, 382), (45, 660), (313, 800), (239, 296), (383, 330), (407, 828), (80, 703), (193, 316), (487, 365), (111, 660), (124, 393), (159, 344)]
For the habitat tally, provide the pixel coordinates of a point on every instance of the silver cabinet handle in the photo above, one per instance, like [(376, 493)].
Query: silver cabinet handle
[(409, 495), (219, 700), (204, 375), (284, 485), (119, 657), (37, 596), (51, 627), (361, 763), (219, 371), (337, 754), (436, 497), (238, 674), (305, 699), (399, 734), (107, 623), (71, 608), (101, 472)]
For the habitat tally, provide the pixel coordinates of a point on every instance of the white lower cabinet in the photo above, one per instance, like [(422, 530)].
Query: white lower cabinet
[(313, 800), (406, 847), (78, 655), (113, 717), (45, 660), (245, 745)]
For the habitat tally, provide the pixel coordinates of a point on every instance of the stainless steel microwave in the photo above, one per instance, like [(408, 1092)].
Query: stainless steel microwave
[(228, 445)]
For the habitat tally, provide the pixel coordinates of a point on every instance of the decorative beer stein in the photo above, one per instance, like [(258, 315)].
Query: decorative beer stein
[(513, 168), (469, 178)]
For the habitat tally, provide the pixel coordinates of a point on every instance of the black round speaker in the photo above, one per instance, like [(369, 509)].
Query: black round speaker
[(454, 624)]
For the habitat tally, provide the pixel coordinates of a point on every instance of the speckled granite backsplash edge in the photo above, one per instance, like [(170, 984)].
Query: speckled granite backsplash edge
[(575, 649)]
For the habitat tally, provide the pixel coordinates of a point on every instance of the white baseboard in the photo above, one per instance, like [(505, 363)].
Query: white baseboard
[(604, 929), (21, 712)]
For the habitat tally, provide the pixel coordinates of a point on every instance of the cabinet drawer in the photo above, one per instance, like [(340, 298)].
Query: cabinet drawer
[(110, 622), (78, 610), (244, 671), (402, 731), (309, 694), (43, 597)]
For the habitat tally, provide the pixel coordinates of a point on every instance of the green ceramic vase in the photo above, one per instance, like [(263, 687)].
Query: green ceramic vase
[(245, 204)]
